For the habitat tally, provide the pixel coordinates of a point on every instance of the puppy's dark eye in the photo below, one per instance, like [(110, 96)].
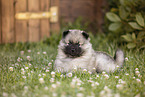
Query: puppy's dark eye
[(77, 44), (70, 42)]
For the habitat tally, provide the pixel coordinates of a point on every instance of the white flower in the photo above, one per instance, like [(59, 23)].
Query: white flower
[(76, 82), (49, 64), (45, 88), (119, 86), (139, 75), (138, 80), (138, 95), (103, 73), (24, 77), (84, 70), (96, 83), (39, 74), (19, 59), (5, 94), (47, 70), (22, 71), (53, 74), (54, 94), (133, 77), (89, 72), (92, 84), (94, 68), (122, 82), (102, 93), (22, 52), (117, 95), (44, 52), (28, 57), (136, 69), (30, 64), (52, 80), (29, 51), (80, 95), (81, 89), (116, 77), (53, 86), (107, 89), (126, 59), (38, 53), (61, 75), (126, 74), (106, 76), (26, 88), (75, 69), (69, 74), (137, 72), (43, 74), (97, 76), (11, 68), (26, 67), (41, 80), (117, 66)]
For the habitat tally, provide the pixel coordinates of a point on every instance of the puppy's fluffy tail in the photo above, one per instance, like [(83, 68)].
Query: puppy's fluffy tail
[(119, 57)]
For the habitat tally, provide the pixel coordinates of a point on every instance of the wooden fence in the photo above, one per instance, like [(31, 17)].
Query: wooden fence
[(27, 20)]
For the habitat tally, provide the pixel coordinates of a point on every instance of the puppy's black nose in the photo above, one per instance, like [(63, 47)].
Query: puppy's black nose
[(72, 50)]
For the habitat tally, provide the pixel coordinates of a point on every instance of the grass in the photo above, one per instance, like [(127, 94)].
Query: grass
[(26, 70)]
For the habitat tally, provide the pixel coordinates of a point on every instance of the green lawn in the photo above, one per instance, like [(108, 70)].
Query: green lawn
[(26, 70)]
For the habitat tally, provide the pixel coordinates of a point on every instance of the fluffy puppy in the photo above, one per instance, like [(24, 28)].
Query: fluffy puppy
[(75, 52)]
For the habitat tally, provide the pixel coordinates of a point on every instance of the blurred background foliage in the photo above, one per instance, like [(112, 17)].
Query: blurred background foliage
[(124, 25), (127, 22)]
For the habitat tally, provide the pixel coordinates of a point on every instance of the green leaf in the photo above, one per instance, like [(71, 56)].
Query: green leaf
[(127, 37), (140, 19), (140, 35), (131, 45), (123, 13), (114, 26), (113, 17), (133, 36), (135, 25)]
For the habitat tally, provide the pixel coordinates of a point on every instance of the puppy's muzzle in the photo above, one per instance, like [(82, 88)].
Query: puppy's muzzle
[(73, 50)]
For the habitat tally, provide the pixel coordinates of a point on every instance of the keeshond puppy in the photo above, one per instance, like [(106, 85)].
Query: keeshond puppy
[(75, 52)]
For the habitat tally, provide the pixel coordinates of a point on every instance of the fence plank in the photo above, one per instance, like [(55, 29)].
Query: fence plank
[(55, 27), (34, 25), (8, 21), (21, 25), (0, 23), (44, 23)]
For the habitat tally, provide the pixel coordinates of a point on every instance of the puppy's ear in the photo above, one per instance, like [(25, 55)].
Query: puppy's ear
[(65, 33), (86, 35)]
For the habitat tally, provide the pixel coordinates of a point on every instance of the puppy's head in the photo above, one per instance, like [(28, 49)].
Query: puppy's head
[(74, 42)]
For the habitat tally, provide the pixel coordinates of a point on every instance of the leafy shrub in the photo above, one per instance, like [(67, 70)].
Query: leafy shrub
[(129, 18)]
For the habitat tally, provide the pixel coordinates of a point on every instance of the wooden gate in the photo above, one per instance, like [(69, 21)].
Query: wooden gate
[(27, 20)]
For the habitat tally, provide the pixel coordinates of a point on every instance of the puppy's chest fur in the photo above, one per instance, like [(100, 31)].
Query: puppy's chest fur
[(68, 64)]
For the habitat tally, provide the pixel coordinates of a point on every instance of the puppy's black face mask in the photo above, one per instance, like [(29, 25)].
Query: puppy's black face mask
[(73, 50)]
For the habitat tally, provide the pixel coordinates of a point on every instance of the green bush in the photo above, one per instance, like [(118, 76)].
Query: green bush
[(128, 17)]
